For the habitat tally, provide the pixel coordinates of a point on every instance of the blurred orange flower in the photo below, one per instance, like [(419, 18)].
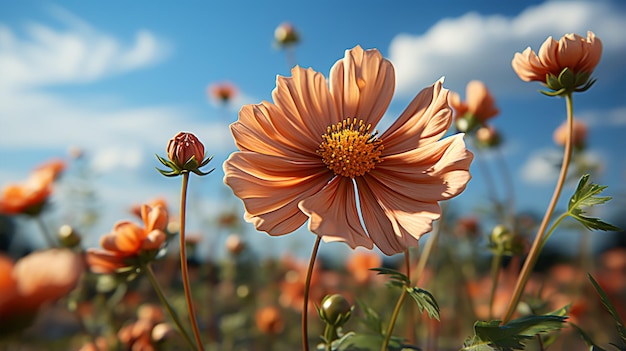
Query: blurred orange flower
[(479, 103), (359, 264), (222, 92), (579, 134), (37, 278), (302, 156), (30, 196), (128, 240), (578, 54), (269, 320)]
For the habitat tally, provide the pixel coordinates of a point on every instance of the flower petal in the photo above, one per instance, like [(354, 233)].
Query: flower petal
[(154, 217), (271, 188), (126, 238), (305, 99), (528, 67), (154, 240), (333, 214), (425, 120), (394, 221), (362, 84), (436, 172), (104, 262)]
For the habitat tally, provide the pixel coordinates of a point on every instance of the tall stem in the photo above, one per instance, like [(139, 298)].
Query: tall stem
[(155, 285), (495, 273), (396, 310), (183, 263), (44, 231), (307, 286), (539, 239)]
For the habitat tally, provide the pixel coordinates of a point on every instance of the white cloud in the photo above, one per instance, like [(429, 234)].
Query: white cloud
[(613, 117), (476, 46), (542, 167), (78, 54)]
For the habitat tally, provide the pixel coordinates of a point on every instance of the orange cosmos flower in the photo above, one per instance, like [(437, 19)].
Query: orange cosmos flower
[(30, 196), (478, 107), (128, 240), (269, 320), (579, 134), (40, 277), (302, 156), (578, 54), (359, 264), (222, 92)]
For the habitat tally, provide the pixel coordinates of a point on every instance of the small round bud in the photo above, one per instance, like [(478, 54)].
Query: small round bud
[(500, 235), (488, 136), (234, 244), (68, 236), (335, 310), (286, 35)]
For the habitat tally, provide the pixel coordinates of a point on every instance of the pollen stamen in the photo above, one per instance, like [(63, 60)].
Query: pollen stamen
[(349, 149)]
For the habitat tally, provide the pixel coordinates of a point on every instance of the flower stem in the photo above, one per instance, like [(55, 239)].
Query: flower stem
[(533, 255), (183, 263), (155, 284), (396, 310), (307, 286), (44, 231), (495, 272)]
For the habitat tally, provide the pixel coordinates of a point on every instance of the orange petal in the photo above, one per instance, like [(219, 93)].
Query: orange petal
[(265, 129), (154, 217), (548, 53), (154, 240), (126, 238), (570, 51), (305, 98), (528, 67), (435, 172), (271, 187), (362, 84), (593, 53), (425, 120), (333, 214), (104, 262)]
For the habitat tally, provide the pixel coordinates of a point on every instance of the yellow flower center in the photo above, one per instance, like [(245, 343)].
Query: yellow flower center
[(349, 149)]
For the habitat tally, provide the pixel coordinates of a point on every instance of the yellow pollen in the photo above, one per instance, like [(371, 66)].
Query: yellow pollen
[(349, 149)]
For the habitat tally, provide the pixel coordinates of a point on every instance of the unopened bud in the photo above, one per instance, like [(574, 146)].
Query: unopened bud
[(68, 236), (335, 310)]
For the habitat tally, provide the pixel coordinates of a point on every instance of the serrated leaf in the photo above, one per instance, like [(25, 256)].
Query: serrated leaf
[(585, 196), (619, 324), (393, 274), (511, 336), (425, 301)]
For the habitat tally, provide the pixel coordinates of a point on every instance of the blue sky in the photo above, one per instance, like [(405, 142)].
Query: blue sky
[(118, 79)]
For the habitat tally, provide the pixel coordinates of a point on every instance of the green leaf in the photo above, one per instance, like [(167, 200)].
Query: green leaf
[(619, 324), (585, 196), (371, 320), (367, 342), (425, 301), (511, 336), (587, 338), (393, 275)]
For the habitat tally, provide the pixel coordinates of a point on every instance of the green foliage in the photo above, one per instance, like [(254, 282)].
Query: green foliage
[(368, 342), (425, 301), (585, 196), (397, 278), (619, 324), (511, 336)]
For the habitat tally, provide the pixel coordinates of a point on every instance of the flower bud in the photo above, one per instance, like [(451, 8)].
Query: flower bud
[(488, 137), (68, 236), (186, 154), (234, 244), (186, 151), (286, 35), (505, 242), (335, 310)]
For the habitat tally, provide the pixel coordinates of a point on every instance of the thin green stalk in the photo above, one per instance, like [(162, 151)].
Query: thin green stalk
[(307, 286), (495, 273), (183, 263), (396, 310), (155, 284), (539, 239), (44, 231)]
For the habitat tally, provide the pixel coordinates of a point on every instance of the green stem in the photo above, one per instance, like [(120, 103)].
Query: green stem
[(495, 272), (396, 310), (533, 255), (307, 286), (155, 284), (183, 263), (44, 231), (330, 334)]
